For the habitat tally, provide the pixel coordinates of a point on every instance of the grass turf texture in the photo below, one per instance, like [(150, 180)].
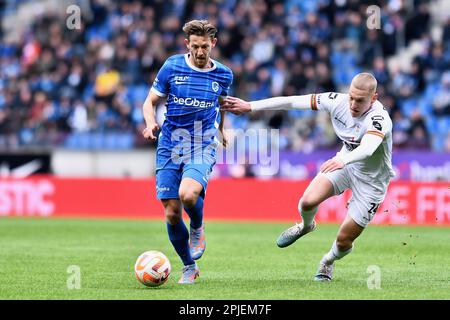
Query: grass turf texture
[(242, 261)]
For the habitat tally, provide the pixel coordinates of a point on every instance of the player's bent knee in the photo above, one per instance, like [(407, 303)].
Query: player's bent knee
[(188, 198), (172, 211), (172, 216), (307, 203)]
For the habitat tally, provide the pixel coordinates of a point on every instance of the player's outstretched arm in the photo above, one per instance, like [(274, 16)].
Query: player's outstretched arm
[(148, 110), (239, 106)]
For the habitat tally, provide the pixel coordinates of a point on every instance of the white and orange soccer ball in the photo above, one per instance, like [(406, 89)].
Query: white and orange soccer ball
[(152, 268)]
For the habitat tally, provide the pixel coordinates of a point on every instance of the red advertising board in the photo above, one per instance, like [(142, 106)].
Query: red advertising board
[(227, 199)]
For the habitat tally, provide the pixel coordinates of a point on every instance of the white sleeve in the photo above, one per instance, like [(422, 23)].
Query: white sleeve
[(369, 143), (303, 102), (342, 151), (378, 124), (328, 101)]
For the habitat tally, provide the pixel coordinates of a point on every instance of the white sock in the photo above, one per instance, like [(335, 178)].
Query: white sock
[(335, 254), (307, 215)]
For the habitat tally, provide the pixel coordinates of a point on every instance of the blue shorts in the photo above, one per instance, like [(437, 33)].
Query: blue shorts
[(168, 180), (171, 169)]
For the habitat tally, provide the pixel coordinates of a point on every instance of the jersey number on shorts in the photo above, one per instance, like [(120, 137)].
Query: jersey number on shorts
[(374, 207)]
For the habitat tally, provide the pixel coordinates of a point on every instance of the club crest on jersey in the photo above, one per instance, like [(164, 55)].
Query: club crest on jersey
[(377, 125), (215, 86)]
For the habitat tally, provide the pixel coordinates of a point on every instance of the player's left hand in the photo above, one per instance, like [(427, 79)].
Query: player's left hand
[(332, 165)]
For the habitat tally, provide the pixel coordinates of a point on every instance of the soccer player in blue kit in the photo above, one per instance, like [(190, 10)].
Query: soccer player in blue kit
[(185, 156)]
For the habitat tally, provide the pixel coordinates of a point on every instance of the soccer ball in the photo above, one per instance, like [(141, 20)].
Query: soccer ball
[(152, 268)]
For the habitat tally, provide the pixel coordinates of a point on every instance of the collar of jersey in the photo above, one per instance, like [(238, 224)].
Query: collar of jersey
[(186, 57), (361, 117), (369, 110)]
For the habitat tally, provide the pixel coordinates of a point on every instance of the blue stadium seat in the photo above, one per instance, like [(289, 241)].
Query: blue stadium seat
[(408, 106), (96, 141), (100, 141), (98, 32), (88, 92), (125, 141), (137, 94), (438, 142), (431, 123), (76, 140), (443, 124)]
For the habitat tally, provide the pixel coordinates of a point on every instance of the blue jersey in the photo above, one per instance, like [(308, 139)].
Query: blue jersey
[(192, 93), (192, 97)]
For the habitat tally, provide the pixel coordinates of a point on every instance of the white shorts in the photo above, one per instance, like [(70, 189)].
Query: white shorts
[(367, 195)]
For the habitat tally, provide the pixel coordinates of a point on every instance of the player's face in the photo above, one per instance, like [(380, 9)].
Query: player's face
[(360, 101), (200, 49)]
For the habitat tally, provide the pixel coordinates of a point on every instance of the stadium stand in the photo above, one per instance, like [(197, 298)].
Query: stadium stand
[(84, 88)]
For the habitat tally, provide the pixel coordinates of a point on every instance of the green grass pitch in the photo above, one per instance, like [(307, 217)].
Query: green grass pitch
[(241, 261)]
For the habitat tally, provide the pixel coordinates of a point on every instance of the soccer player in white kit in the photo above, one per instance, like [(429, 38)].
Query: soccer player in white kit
[(362, 165)]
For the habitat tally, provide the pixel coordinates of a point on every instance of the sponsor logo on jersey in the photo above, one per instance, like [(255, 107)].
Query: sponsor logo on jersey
[(340, 121), (193, 102), (215, 86), (162, 189), (181, 79)]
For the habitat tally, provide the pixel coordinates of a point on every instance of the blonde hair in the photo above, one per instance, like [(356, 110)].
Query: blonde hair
[(365, 81)]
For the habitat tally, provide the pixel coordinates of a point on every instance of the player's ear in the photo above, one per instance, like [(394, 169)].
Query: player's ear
[(186, 42), (374, 97), (213, 42)]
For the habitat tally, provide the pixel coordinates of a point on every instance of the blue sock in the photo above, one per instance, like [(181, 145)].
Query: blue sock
[(179, 236), (196, 213)]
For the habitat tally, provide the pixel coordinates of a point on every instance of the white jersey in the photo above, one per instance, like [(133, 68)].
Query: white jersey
[(350, 130)]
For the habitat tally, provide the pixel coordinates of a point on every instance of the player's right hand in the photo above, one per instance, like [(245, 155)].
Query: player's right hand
[(150, 131), (235, 105)]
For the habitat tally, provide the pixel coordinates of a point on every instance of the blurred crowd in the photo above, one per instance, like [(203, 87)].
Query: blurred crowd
[(84, 87)]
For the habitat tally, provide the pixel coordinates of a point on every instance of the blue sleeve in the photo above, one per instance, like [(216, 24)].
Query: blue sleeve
[(229, 81), (161, 83)]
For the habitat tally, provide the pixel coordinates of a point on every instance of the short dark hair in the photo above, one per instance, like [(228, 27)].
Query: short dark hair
[(200, 28)]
